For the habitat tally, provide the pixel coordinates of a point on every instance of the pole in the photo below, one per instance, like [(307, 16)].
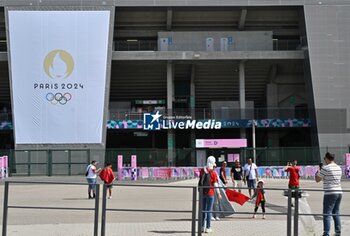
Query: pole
[(103, 211), (194, 205), (289, 213), (5, 209), (296, 213), (200, 206), (97, 204), (254, 145)]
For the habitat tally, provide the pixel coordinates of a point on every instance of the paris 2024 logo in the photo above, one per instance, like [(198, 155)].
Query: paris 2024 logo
[(58, 66)]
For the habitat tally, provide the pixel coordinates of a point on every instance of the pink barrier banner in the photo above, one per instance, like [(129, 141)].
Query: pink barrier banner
[(2, 167), (230, 157), (221, 143), (6, 174), (162, 173), (347, 167), (186, 172), (134, 167), (120, 167), (278, 171), (236, 157), (126, 172), (133, 161), (347, 159), (144, 172), (176, 172), (194, 172)]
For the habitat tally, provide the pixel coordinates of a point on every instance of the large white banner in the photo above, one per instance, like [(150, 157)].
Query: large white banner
[(58, 67)]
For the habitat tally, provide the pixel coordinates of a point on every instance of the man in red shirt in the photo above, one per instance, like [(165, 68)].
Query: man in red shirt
[(108, 177), (293, 170), (208, 198), (294, 176)]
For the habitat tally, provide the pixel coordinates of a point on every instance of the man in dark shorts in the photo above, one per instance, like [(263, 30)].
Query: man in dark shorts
[(236, 175)]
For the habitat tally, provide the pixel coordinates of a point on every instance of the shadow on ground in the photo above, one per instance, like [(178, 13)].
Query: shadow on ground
[(169, 232)]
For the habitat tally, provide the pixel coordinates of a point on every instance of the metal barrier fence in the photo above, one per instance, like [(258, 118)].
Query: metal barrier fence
[(271, 156), (297, 214), (292, 216), (7, 206), (49, 162), (288, 214), (73, 162), (193, 211)]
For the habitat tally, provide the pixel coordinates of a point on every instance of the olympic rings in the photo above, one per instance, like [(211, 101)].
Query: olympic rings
[(58, 98)]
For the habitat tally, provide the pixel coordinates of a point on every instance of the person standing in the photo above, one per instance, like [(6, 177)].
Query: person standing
[(208, 196), (236, 175), (260, 198), (91, 177), (223, 173), (251, 175), (108, 177), (331, 174), (216, 204), (294, 176)]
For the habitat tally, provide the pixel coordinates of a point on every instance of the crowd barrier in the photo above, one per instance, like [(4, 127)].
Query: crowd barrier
[(4, 165), (7, 205), (306, 172), (300, 213)]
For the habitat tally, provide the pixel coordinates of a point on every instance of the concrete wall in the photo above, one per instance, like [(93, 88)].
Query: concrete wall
[(173, 2), (228, 110), (198, 41), (328, 32)]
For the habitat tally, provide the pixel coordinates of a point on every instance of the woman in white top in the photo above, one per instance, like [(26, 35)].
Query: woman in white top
[(91, 177)]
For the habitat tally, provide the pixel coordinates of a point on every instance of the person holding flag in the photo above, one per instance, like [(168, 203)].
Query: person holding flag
[(107, 176)]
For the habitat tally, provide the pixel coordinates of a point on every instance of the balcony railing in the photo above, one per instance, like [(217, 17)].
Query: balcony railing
[(152, 45), (287, 44), (135, 45), (203, 114), (218, 114)]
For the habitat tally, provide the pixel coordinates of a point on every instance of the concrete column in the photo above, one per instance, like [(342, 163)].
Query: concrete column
[(242, 94), (170, 99), (170, 85), (272, 112), (193, 113), (272, 100), (171, 147), (192, 92), (169, 18)]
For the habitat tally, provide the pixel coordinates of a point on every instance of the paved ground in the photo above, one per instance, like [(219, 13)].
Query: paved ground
[(78, 223)]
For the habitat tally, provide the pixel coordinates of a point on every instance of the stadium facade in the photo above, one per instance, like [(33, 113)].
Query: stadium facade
[(273, 72)]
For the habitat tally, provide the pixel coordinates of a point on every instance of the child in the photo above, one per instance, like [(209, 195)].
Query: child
[(108, 177), (260, 198)]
